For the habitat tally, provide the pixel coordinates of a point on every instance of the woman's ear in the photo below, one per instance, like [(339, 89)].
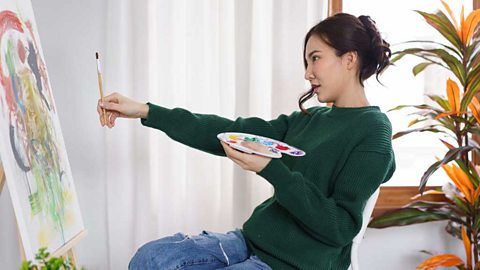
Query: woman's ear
[(350, 60)]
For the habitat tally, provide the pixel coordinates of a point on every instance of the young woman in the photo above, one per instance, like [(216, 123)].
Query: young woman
[(316, 211)]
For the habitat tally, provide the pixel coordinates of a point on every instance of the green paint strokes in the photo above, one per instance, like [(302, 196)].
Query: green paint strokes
[(36, 137)]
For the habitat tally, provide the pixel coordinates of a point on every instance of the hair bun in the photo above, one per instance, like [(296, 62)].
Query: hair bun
[(370, 26), (380, 48)]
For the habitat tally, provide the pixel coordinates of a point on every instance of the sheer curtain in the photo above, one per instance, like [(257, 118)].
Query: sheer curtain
[(230, 58)]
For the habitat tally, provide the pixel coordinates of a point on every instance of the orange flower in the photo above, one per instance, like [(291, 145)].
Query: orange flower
[(462, 182), (468, 247), (467, 26), (453, 94), (440, 260), (475, 108)]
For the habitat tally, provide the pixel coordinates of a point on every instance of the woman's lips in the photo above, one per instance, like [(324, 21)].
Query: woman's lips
[(316, 89)]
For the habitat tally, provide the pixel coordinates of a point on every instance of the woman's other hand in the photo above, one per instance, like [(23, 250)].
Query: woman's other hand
[(250, 162)]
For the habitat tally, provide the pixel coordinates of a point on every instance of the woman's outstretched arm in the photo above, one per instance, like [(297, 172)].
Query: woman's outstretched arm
[(193, 129)]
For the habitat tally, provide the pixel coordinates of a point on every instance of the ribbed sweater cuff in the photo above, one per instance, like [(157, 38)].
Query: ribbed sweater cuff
[(157, 116), (276, 172)]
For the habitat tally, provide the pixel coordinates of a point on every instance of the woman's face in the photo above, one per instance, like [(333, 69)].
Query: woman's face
[(325, 69)]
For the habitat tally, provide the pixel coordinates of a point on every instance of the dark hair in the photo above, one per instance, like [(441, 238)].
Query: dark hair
[(347, 33)]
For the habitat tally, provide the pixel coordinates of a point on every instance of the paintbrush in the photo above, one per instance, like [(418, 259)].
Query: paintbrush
[(100, 86)]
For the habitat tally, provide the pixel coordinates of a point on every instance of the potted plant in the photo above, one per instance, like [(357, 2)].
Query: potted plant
[(46, 262), (457, 117)]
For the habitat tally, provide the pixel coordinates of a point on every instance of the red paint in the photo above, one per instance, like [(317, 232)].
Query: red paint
[(232, 141), (8, 21), (21, 51), (280, 147)]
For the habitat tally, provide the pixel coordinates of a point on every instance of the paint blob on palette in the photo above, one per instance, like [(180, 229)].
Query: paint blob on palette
[(267, 147)]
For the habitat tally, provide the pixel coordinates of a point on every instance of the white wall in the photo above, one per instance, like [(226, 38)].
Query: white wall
[(71, 32)]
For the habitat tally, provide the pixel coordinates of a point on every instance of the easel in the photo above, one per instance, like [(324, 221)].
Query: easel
[(66, 251)]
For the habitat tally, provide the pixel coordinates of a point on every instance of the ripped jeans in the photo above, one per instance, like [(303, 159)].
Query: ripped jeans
[(206, 251)]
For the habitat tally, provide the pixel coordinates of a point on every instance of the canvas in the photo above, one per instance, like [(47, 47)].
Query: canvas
[(32, 148)]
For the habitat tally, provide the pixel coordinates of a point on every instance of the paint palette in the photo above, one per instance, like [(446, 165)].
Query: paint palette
[(268, 147)]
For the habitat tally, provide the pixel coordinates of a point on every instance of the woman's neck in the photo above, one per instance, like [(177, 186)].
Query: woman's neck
[(354, 96)]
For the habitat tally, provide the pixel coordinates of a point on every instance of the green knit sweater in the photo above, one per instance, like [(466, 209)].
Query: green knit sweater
[(316, 210)]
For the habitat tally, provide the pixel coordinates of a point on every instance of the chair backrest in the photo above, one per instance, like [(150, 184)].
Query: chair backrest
[(367, 213)]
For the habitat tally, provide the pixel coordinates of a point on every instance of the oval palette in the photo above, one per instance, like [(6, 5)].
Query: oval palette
[(269, 147)]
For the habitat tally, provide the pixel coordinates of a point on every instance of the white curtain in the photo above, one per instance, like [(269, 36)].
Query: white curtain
[(224, 57)]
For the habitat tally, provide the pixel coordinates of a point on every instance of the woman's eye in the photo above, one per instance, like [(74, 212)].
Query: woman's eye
[(315, 58)]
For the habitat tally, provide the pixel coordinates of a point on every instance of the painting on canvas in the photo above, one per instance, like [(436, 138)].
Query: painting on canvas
[(32, 149)]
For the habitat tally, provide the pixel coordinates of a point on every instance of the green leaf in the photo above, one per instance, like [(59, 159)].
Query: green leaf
[(443, 25), (475, 130), (474, 60), (470, 53), (424, 205), (470, 171), (420, 67), (453, 50), (428, 114), (26, 265), (430, 128), (452, 154), (453, 228), (453, 64), (473, 87), (441, 101), (477, 223), (405, 216), (423, 106), (419, 52), (473, 74), (426, 252)]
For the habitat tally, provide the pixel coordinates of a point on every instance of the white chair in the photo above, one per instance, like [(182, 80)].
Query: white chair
[(367, 212)]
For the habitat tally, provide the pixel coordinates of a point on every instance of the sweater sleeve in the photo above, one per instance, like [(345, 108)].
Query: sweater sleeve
[(334, 219), (200, 130)]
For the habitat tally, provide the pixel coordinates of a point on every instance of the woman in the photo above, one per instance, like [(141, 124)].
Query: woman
[(316, 211)]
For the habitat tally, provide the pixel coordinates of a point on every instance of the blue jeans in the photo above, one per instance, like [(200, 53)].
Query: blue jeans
[(208, 250)]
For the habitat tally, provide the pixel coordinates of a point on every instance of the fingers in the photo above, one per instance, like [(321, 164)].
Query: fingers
[(256, 146), (113, 97), (253, 145), (100, 114), (102, 123), (109, 124), (113, 117), (233, 154), (110, 106)]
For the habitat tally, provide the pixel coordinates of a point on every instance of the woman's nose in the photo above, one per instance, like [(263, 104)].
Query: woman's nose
[(309, 75)]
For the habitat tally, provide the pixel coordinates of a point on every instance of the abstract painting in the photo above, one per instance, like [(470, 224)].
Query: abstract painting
[(32, 148)]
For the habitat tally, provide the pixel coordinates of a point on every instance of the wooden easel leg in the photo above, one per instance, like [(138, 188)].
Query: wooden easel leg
[(23, 257), (72, 258), (2, 178)]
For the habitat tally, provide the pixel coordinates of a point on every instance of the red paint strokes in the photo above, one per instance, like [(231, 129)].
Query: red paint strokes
[(8, 22), (281, 147), (21, 51)]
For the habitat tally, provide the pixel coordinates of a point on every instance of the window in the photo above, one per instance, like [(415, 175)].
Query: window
[(398, 23)]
